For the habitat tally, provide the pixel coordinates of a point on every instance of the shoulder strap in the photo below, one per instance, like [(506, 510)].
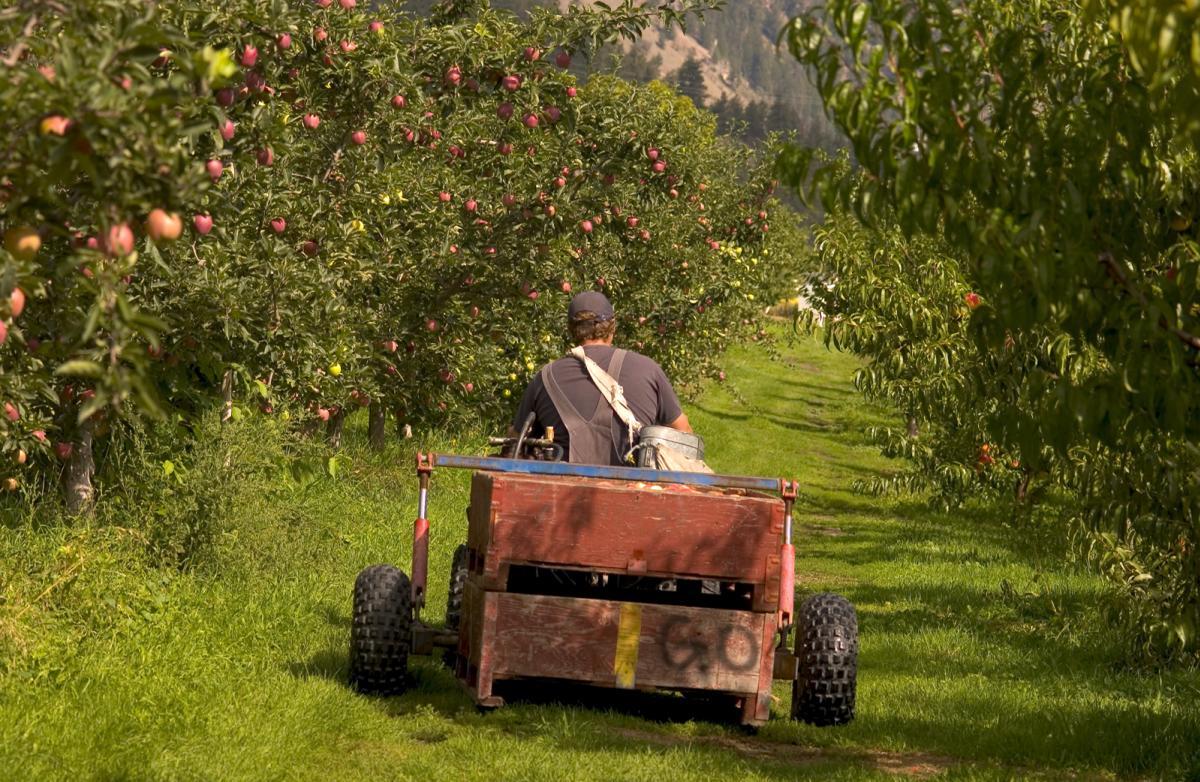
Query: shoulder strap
[(610, 389), (566, 410)]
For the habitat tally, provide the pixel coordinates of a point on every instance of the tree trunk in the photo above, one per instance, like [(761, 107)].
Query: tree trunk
[(913, 429), (227, 394), (1022, 490), (333, 429), (77, 478), (377, 428)]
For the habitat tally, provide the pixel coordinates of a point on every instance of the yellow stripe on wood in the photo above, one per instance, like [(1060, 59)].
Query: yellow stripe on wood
[(629, 632)]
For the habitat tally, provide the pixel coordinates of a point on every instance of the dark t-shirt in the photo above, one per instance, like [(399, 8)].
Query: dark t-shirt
[(647, 390)]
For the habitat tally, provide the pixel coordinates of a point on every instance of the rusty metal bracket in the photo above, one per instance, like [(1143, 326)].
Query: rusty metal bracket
[(424, 463), (786, 665)]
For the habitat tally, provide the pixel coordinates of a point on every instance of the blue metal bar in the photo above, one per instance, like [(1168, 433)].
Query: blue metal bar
[(530, 467)]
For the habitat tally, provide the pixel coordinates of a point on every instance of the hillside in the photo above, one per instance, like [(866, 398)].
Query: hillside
[(727, 61)]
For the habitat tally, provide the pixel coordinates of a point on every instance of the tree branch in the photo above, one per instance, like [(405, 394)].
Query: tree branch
[(1120, 277)]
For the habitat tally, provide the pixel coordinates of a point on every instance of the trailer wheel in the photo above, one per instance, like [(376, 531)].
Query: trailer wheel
[(458, 585), (381, 633), (454, 599), (827, 649)]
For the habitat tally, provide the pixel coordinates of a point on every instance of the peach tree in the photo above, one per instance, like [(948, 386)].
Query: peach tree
[(1043, 144)]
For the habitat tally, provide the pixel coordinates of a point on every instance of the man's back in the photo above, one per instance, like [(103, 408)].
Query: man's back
[(647, 391)]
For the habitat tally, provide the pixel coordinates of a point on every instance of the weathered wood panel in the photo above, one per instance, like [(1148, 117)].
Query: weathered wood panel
[(676, 647), (621, 527)]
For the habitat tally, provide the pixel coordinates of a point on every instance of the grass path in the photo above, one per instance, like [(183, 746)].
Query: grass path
[(982, 657)]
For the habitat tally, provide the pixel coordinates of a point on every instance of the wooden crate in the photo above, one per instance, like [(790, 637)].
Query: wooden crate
[(614, 644), (625, 528)]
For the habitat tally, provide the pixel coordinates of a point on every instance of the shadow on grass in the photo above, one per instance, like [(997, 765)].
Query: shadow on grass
[(784, 423), (332, 663)]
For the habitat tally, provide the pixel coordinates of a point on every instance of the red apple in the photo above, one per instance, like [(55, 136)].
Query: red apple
[(504, 111), (320, 34), (444, 197), (323, 413), (266, 156), (511, 83), (431, 325), (284, 41), (202, 223), (278, 225), (563, 60), (531, 121), (11, 411), (309, 248), (119, 240), (16, 302), (553, 114), (347, 4), (560, 182), (359, 137), (471, 205), (973, 300), (659, 166), (453, 76), (214, 168), (228, 129), (163, 226), (505, 148), (508, 199), (347, 46), (586, 226), (249, 56), (566, 287), (652, 153), (572, 92), (63, 450), (376, 27), (632, 221), (399, 102), (311, 121), (531, 54), (391, 345)]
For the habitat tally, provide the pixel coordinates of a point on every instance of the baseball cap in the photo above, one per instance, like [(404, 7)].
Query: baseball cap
[(591, 301)]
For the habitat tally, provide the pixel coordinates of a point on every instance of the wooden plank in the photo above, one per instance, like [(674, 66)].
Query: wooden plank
[(620, 527), (678, 647)]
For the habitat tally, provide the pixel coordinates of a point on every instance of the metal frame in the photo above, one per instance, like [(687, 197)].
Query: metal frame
[(530, 467)]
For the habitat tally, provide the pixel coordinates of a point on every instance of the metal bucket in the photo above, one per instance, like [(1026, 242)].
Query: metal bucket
[(690, 445)]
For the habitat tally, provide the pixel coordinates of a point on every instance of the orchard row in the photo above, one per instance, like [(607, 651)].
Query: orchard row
[(313, 208), (1017, 257)]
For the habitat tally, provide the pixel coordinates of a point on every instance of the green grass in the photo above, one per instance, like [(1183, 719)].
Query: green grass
[(982, 655)]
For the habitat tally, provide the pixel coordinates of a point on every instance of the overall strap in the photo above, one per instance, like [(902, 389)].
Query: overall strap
[(588, 442)]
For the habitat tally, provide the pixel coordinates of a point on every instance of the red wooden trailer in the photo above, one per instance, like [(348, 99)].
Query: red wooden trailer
[(615, 577)]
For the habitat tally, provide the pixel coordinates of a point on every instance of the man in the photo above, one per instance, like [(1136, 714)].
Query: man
[(563, 395)]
